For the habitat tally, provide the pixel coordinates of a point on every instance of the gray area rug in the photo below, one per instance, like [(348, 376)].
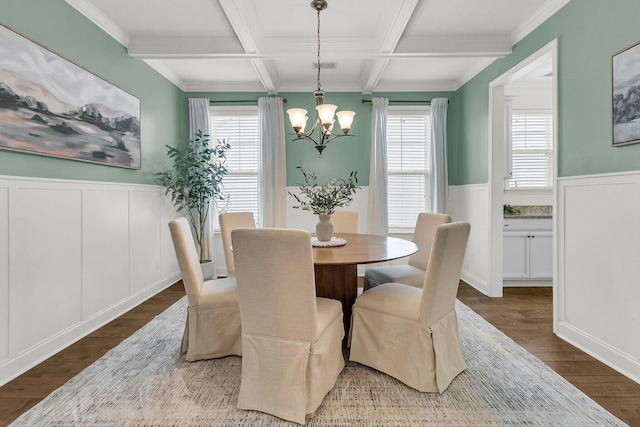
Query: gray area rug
[(143, 382)]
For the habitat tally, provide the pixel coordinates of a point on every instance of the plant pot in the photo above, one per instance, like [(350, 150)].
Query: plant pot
[(208, 267), (324, 228)]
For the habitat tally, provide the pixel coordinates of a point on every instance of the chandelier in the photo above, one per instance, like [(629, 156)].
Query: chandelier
[(324, 112)]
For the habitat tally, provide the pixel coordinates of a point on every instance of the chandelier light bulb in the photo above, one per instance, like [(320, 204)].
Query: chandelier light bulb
[(326, 112), (298, 118), (346, 120)]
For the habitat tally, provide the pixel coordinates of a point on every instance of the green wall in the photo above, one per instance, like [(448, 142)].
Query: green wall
[(588, 33), (342, 155), (60, 28)]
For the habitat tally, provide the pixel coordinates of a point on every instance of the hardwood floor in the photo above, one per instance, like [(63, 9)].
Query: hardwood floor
[(524, 314)]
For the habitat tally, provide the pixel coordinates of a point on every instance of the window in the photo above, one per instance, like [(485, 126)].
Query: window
[(408, 143), (240, 126), (532, 150)]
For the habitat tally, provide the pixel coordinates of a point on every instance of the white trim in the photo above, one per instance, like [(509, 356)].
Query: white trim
[(626, 364), (496, 162), (94, 15), (548, 9)]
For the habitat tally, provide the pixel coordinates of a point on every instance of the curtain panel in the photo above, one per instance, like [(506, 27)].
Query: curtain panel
[(272, 175), (377, 216), (438, 181)]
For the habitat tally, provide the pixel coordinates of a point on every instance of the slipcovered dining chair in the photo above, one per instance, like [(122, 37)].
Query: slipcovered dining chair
[(229, 221), (291, 339), (412, 273), (213, 317), (409, 333), (345, 221)]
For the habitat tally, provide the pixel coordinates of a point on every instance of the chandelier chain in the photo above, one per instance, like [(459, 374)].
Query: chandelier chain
[(318, 49)]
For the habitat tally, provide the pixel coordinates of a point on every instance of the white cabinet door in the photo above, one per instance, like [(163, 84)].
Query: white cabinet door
[(541, 256), (516, 256)]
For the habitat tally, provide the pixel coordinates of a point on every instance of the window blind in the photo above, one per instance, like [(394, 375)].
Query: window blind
[(532, 154), (408, 135), (240, 185)]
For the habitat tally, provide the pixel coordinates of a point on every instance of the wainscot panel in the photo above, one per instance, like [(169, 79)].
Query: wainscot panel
[(4, 273), (73, 256), (598, 269), (471, 203)]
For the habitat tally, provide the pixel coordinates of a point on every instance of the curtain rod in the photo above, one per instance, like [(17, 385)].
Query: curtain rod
[(255, 101), (406, 102)]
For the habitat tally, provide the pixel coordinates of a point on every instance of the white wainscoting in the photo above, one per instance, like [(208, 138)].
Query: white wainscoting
[(73, 256), (598, 268), (471, 203)]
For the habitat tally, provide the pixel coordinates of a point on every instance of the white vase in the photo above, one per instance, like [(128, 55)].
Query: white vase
[(324, 228), (208, 269)]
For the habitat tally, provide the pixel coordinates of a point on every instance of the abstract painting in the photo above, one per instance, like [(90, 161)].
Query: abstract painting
[(52, 107), (625, 73)]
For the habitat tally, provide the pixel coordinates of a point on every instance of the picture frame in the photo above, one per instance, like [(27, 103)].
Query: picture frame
[(625, 99), (50, 106)]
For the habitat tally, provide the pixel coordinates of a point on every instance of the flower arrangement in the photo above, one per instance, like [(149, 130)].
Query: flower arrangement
[(324, 199)]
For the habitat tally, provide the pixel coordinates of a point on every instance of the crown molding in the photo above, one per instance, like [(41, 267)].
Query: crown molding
[(474, 71), (207, 86), (416, 86), (165, 72), (545, 12), (98, 18)]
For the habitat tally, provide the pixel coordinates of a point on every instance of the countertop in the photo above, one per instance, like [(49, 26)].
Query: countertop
[(531, 212)]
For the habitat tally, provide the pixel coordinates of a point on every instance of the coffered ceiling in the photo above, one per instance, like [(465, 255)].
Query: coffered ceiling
[(270, 46)]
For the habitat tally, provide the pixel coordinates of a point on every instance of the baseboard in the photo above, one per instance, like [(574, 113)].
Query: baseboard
[(623, 363), (39, 353), (527, 283), (475, 282)]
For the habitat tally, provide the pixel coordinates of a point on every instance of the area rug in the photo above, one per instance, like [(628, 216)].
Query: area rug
[(143, 382)]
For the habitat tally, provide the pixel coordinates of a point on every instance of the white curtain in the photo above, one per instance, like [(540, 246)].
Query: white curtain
[(200, 119), (377, 215), (272, 175), (439, 183)]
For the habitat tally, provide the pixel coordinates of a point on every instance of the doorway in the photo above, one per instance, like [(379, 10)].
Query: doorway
[(540, 65)]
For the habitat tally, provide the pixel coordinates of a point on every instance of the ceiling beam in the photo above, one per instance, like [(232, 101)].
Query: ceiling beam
[(454, 46), (184, 47), (398, 24), (242, 22)]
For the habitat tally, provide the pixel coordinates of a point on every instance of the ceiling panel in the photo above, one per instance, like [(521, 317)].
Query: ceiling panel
[(378, 45)]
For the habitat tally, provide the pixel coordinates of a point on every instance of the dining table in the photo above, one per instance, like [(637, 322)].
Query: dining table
[(336, 267)]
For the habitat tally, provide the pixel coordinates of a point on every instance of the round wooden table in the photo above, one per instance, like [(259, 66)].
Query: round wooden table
[(336, 268)]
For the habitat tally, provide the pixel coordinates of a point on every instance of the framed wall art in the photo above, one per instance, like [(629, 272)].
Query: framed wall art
[(52, 107), (625, 77)]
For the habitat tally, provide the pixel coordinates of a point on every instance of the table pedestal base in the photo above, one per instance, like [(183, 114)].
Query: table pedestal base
[(338, 282)]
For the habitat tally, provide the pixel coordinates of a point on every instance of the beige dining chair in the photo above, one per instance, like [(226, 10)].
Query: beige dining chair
[(412, 273), (345, 221), (228, 222), (410, 333), (213, 317), (291, 339)]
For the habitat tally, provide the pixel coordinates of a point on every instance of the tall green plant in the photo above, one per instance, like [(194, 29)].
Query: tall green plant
[(196, 179)]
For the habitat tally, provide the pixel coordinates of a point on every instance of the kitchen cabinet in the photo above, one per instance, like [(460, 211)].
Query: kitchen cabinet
[(528, 250)]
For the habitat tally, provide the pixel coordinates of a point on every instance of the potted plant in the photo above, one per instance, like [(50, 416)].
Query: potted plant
[(195, 180), (323, 200)]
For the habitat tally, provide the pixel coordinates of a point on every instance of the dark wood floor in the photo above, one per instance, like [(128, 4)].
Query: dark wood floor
[(524, 314)]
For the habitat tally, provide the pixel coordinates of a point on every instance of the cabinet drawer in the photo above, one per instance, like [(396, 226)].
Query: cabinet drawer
[(513, 224)]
